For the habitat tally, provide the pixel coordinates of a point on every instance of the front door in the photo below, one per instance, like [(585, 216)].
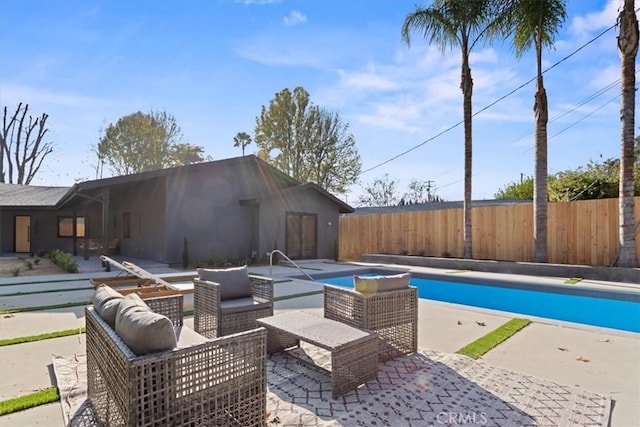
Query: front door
[(23, 234), (301, 235)]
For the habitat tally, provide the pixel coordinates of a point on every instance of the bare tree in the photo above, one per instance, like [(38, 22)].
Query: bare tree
[(22, 145), (381, 192)]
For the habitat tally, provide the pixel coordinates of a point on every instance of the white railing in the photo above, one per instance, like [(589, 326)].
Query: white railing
[(288, 259)]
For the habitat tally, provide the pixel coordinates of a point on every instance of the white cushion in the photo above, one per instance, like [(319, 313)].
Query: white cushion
[(188, 337), (374, 284)]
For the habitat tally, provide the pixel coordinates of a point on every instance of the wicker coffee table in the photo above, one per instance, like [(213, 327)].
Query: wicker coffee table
[(354, 352)]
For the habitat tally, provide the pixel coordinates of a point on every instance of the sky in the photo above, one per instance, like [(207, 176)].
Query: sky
[(214, 64)]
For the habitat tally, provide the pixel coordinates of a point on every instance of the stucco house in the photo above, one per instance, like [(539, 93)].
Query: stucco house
[(237, 208)]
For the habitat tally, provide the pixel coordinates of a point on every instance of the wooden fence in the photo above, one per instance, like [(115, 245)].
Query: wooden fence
[(582, 232)]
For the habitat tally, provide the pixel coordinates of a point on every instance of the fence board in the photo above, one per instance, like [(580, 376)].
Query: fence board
[(581, 232)]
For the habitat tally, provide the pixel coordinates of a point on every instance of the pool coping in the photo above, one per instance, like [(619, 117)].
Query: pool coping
[(583, 288), (614, 274)]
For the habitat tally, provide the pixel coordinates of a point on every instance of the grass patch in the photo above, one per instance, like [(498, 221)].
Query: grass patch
[(40, 337), (36, 282), (43, 307), (573, 280), (483, 344), (304, 294), (47, 291), (48, 395)]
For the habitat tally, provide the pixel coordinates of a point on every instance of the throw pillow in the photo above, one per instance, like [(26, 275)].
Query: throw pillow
[(234, 282), (143, 330), (106, 301), (373, 284)]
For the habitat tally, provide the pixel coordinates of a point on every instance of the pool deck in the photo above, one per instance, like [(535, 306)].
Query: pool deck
[(600, 360)]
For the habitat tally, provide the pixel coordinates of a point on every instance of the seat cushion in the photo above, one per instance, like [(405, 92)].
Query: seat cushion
[(106, 301), (238, 305), (374, 284), (234, 282), (143, 330), (187, 337)]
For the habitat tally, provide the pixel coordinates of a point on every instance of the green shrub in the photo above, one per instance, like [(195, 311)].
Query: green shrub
[(64, 260), (41, 253), (36, 261), (15, 271), (28, 264)]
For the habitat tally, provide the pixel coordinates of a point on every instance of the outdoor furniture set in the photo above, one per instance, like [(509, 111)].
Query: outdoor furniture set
[(145, 367)]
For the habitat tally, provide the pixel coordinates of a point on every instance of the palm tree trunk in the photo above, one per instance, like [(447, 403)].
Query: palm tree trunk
[(540, 186), (628, 47), (540, 189), (466, 85)]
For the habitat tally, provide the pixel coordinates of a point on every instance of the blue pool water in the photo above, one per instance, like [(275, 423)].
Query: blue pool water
[(605, 312)]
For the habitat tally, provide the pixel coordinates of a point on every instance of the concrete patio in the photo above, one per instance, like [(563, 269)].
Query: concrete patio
[(598, 360)]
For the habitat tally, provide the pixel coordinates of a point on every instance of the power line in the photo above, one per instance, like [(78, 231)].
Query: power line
[(450, 128), (585, 116), (583, 102), (557, 133)]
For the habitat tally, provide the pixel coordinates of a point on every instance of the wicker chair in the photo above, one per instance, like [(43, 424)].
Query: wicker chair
[(392, 314), (214, 317), (212, 383)]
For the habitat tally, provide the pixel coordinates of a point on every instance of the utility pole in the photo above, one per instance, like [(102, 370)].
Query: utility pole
[(429, 182)]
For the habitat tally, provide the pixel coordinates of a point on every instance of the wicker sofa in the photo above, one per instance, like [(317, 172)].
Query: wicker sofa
[(201, 383), (391, 312), (227, 301)]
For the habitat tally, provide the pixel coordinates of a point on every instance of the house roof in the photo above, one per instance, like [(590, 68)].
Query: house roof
[(344, 207), (12, 195), (432, 206), (30, 196), (79, 188)]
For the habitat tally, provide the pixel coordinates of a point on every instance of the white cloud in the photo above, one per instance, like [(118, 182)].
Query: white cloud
[(581, 25), (15, 93), (366, 80), (396, 115), (292, 57), (603, 77), (294, 18)]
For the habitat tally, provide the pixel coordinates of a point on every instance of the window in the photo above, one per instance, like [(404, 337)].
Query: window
[(126, 225), (65, 226)]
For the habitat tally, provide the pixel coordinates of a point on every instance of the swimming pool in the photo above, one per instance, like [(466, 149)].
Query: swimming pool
[(609, 310)]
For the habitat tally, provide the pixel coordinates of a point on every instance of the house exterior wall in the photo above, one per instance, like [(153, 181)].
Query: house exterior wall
[(144, 202), (44, 230), (233, 209), (203, 205), (273, 216)]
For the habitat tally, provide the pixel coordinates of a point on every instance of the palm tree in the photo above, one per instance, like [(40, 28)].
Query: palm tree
[(242, 139), (536, 23), (461, 23), (628, 47)]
